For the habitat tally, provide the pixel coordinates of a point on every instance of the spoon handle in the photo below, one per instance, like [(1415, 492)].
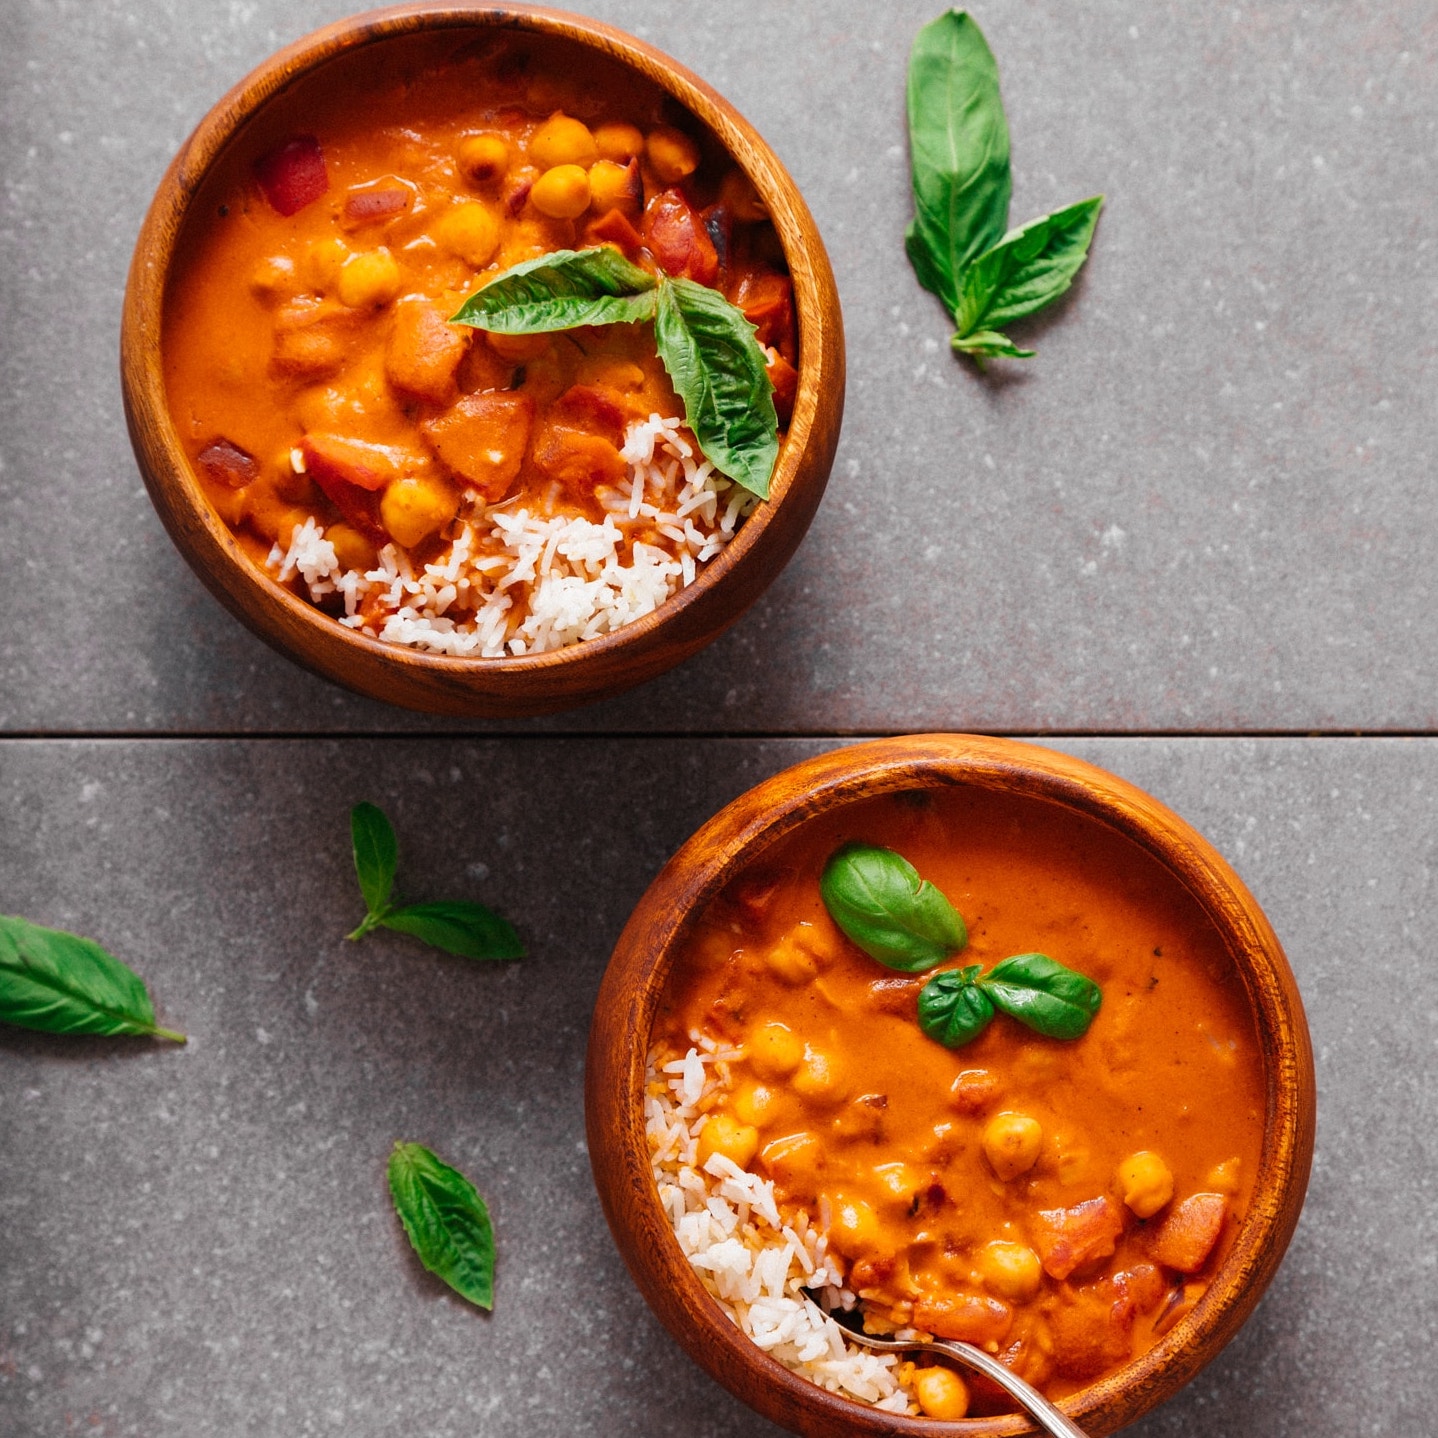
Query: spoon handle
[(1037, 1406)]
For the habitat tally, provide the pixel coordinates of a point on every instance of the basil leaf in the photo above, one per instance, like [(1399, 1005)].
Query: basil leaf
[(1028, 269), (446, 1220), (878, 899), (720, 373), (953, 1009), (63, 984), (561, 291), (958, 151), (376, 852), (1042, 993), (469, 930), (987, 344)]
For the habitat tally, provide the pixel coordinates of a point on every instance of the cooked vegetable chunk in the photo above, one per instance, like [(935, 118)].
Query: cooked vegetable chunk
[(482, 439)]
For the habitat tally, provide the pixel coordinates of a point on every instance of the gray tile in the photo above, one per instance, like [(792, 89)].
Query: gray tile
[(197, 1242), (1204, 506)]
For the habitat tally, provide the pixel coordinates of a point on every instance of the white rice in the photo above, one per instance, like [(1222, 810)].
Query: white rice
[(524, 581), (755, 1265)]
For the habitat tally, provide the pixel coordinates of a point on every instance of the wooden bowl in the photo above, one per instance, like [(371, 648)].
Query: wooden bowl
[(531, 684), (738, 836)]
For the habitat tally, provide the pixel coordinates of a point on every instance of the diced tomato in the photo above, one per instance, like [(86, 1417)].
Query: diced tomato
[(1187, 1236), (973, 1091), (895, 996), (580, 460), (293, 175), (483, 438), (768, 304), (516, 192), (1070, 1239), (424, 350), (678, 240), (366, 466), (1091, 1333), (614, 229), (227, 464), (380, 200), (785, 379), (1142, 1285), (594, 407), (969, 1317), (359, 506)]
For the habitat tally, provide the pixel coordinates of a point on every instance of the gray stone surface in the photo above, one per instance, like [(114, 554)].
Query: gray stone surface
[(197, 1242), (1214, 481)]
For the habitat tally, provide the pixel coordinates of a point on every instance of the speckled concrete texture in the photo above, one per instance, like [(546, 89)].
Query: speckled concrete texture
[(198, 1241), (1205, 506)]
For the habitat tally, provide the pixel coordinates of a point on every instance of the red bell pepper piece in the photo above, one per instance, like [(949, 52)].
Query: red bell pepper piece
[(293, 175)]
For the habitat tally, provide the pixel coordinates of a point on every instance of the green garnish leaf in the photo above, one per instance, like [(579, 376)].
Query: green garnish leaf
[(446, 1221), (562, 291), (720, 373), (469, 930), (376, 852), (458, 927), (1040, 992), (878, 899), (1028, 269), (953, 1009), (60, 983), (959, 153)]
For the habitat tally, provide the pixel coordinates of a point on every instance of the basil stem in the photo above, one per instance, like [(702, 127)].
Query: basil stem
[(61, 983), (446, 1221), (878, 899), (458, 927)]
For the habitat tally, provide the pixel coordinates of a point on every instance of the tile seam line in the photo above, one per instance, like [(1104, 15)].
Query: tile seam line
[(614, 735)]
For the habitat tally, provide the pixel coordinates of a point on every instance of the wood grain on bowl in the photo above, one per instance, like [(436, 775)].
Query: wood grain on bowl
[(634, 987), (531, 683)]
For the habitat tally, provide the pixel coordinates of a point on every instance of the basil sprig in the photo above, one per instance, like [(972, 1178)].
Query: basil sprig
[(458, 927), (446, 1221), (959, 156), (60, 983), (955, 1007), (718, 369), (878, 899)]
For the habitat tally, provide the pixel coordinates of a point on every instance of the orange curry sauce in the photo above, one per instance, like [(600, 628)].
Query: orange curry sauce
[(308, 310), (855, 1114)]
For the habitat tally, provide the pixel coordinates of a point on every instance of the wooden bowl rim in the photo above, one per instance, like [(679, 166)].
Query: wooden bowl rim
[(174, 487), (738, 836)]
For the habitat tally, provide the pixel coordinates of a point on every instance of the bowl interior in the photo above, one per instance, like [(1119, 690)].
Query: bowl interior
[(1102, 822)]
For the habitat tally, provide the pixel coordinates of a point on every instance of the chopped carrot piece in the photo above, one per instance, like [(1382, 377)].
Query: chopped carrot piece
[(1186, 1238)]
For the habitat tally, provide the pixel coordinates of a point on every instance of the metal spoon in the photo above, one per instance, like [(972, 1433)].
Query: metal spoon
[(1028, 1398)]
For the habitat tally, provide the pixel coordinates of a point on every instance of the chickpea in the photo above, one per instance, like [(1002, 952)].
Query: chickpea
[(413, 508), (792, 959), (274, 277), (1011, 1143), (853, 1227), (724, 1134), (1223, 1177), (469, 231), (1012, 1270), (941, 1393), (673, 156), (1147, 1183), (741, 199), (323, 262), (756, 1103), (775, 1051), (352, 549), (618, 141), (900, 1181), (561, 193), (610, 188), (484, 159), (818, 1076), (562, 140), (368, 280)]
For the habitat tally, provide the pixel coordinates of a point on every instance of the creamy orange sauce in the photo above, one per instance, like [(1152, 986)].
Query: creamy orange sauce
[(323, 333), (854, 1113)]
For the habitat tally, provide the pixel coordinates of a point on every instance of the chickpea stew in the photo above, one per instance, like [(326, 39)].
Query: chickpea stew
[(1061, 1203), (467, 493)]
